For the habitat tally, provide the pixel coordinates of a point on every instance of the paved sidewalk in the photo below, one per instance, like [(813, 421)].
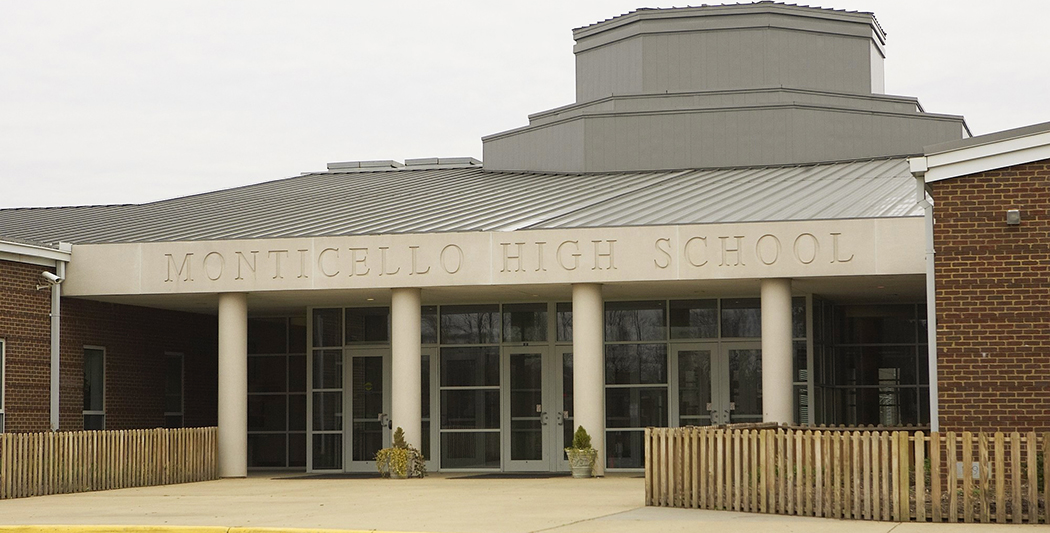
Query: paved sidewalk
[(440, 503)]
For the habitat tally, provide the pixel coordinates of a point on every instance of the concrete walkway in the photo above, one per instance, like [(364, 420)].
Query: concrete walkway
[(440, 503)]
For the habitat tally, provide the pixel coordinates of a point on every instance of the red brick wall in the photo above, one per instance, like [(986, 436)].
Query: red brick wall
[(25, 326), (135, 339), (993, 299)]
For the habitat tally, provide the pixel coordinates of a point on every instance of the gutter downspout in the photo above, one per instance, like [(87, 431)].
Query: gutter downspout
[(919, 166), (56, 318)]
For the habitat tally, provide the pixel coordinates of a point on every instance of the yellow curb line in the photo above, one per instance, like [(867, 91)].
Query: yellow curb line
[(175, 529)]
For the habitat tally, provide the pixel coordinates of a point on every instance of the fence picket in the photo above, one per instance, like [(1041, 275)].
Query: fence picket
[(1033, 480), (1046, 477), (967, 475), (1015, 476), (984, 493), (920, 478)]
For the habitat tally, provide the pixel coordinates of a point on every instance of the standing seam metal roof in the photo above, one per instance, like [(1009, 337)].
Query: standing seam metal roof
[(410, 200)]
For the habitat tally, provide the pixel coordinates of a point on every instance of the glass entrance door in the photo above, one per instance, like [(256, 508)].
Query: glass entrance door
[(719, 383), (369, 399), (534, 416)]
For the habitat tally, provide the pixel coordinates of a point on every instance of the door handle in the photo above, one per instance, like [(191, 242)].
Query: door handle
[(543, 418), (560, 418)]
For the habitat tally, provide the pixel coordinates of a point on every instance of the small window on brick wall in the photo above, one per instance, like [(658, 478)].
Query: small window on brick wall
[(94, 387)]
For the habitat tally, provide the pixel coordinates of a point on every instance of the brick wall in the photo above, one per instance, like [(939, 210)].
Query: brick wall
[(135, 339), (25, 326), (993, 299)]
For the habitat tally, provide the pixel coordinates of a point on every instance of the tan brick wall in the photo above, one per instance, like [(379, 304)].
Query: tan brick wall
[(993, 299), (135, 338)]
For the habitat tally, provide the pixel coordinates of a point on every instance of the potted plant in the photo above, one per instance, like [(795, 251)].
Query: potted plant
[(581, 454), (400, 460)]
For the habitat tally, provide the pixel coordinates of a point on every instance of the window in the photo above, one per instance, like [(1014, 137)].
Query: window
[(173, 390), (94, 387)]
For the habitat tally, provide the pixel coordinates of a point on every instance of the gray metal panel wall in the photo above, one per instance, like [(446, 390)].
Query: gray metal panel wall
[(741, 58)]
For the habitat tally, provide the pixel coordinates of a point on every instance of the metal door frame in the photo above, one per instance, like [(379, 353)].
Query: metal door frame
[(349, 354), (551, 420), (720, 407)]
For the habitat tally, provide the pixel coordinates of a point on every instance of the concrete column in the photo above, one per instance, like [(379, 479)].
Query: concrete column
[(405, 409), (233, 384), (588, 361), (777, 397)]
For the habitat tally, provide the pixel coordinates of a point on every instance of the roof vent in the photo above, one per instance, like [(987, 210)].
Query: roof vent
[(443, 162), (369, 165)]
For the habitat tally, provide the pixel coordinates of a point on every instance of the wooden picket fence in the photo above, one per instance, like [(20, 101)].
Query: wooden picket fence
[(865, 475), (35, 464)]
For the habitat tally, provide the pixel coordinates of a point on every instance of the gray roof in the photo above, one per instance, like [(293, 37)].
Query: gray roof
[(988, 138), (468, 198)]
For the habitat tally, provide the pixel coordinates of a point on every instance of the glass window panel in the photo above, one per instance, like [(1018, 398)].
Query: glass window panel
[(801, 359), (470, 450), (173, 384), (920, 314), (624, 449), (328, 327), (328, 452), (267, 373), (860, 365), (367, 324), (328, 411), (267, 412), (635, 321), (801, 404), (745, 382), (425, 448), (428, 329), (424, 381), (564, 321), (328, 369), (297, 449), (297, 373), (367, 440), (367, 387), (525, 323), (632, 364), (94, 422), (94, 379), (878, 324), (470, 367), (635, 407), (798, 317), (566, 388), (267, 451), (470, 324), (742, 317), (694, 383), (267, 335), (470, 409), (297, 337), (297, 412), (694, 319)]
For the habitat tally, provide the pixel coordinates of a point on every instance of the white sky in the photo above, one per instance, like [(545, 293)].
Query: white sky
[(128, 102)]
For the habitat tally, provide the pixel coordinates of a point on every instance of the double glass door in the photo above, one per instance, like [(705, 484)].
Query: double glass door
[(537, 413), (719, 383), (368, 400)]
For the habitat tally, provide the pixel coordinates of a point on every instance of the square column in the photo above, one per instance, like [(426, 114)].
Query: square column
[(406, 401), (233, 385), (778, 401), (588, 361)]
